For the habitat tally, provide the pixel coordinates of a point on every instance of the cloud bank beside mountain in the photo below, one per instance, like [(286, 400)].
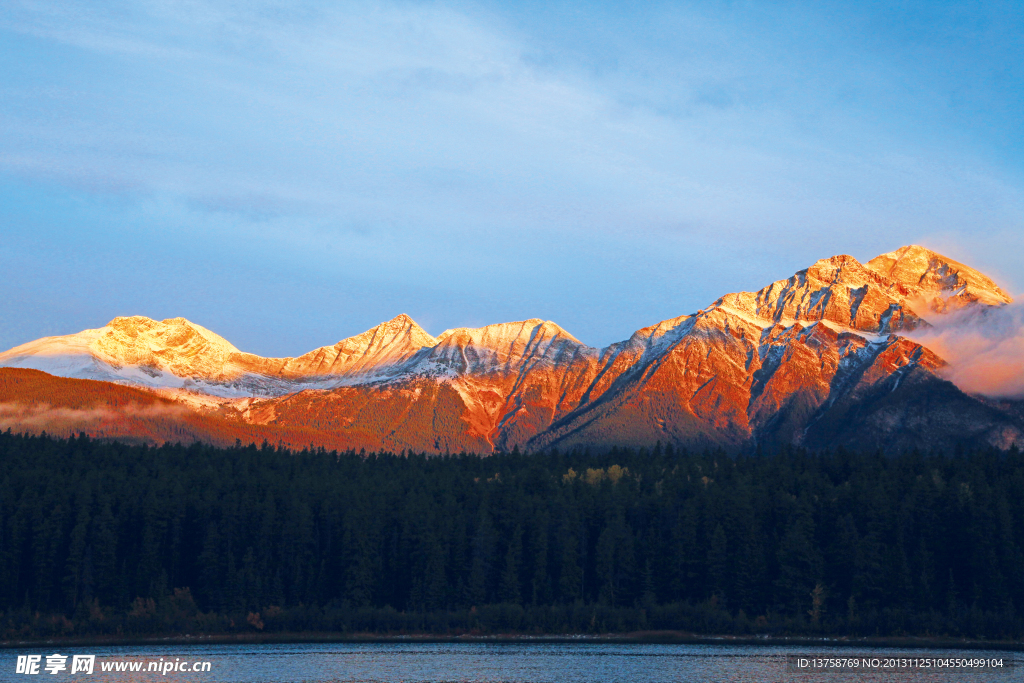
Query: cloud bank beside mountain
[(984, 349)]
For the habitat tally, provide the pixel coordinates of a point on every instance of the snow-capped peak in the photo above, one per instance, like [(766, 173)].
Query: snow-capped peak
[(387, 344), (942, 281), (500, 335), (891, 292), (175, 344), (502, 347)]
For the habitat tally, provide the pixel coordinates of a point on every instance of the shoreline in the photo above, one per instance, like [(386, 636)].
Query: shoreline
[(634, 638)]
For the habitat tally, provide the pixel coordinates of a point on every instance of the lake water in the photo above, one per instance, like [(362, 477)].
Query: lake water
[(478, 663)]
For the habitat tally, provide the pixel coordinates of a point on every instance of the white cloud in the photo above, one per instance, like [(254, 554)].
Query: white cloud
[(984, 349)]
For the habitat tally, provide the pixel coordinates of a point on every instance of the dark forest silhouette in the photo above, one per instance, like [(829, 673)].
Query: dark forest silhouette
[(100, 537)]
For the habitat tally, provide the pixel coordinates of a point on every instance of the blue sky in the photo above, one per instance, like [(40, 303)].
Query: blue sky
[(289, 174)]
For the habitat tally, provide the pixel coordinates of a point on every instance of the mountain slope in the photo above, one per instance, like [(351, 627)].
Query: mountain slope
[(33, 401)]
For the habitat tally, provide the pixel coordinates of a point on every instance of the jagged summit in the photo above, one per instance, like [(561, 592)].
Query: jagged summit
[(400, 334), (891, 292), (503, 346), (940, 280), (840, 290), (401, 326)]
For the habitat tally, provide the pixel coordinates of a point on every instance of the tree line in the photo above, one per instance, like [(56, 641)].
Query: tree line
[(105, 537)]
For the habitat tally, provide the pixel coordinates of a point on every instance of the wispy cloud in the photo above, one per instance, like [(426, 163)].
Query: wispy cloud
[(444, 148), (350, 109)]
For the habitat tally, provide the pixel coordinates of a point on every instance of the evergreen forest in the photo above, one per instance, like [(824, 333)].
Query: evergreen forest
[(106, 538)]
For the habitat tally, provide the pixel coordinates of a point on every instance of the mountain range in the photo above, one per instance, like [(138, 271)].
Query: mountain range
[(819, 359)]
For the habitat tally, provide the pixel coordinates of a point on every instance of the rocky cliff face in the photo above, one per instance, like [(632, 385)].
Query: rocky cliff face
[(815, 359)]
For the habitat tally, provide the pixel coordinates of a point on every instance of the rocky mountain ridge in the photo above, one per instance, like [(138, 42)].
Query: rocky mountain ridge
[(799, 361)]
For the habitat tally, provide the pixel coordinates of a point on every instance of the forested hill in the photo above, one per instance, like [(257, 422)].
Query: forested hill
[(100, 537)]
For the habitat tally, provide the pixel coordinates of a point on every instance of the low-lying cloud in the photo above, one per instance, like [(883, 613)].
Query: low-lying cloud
[(984, 349), (43, 416)]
